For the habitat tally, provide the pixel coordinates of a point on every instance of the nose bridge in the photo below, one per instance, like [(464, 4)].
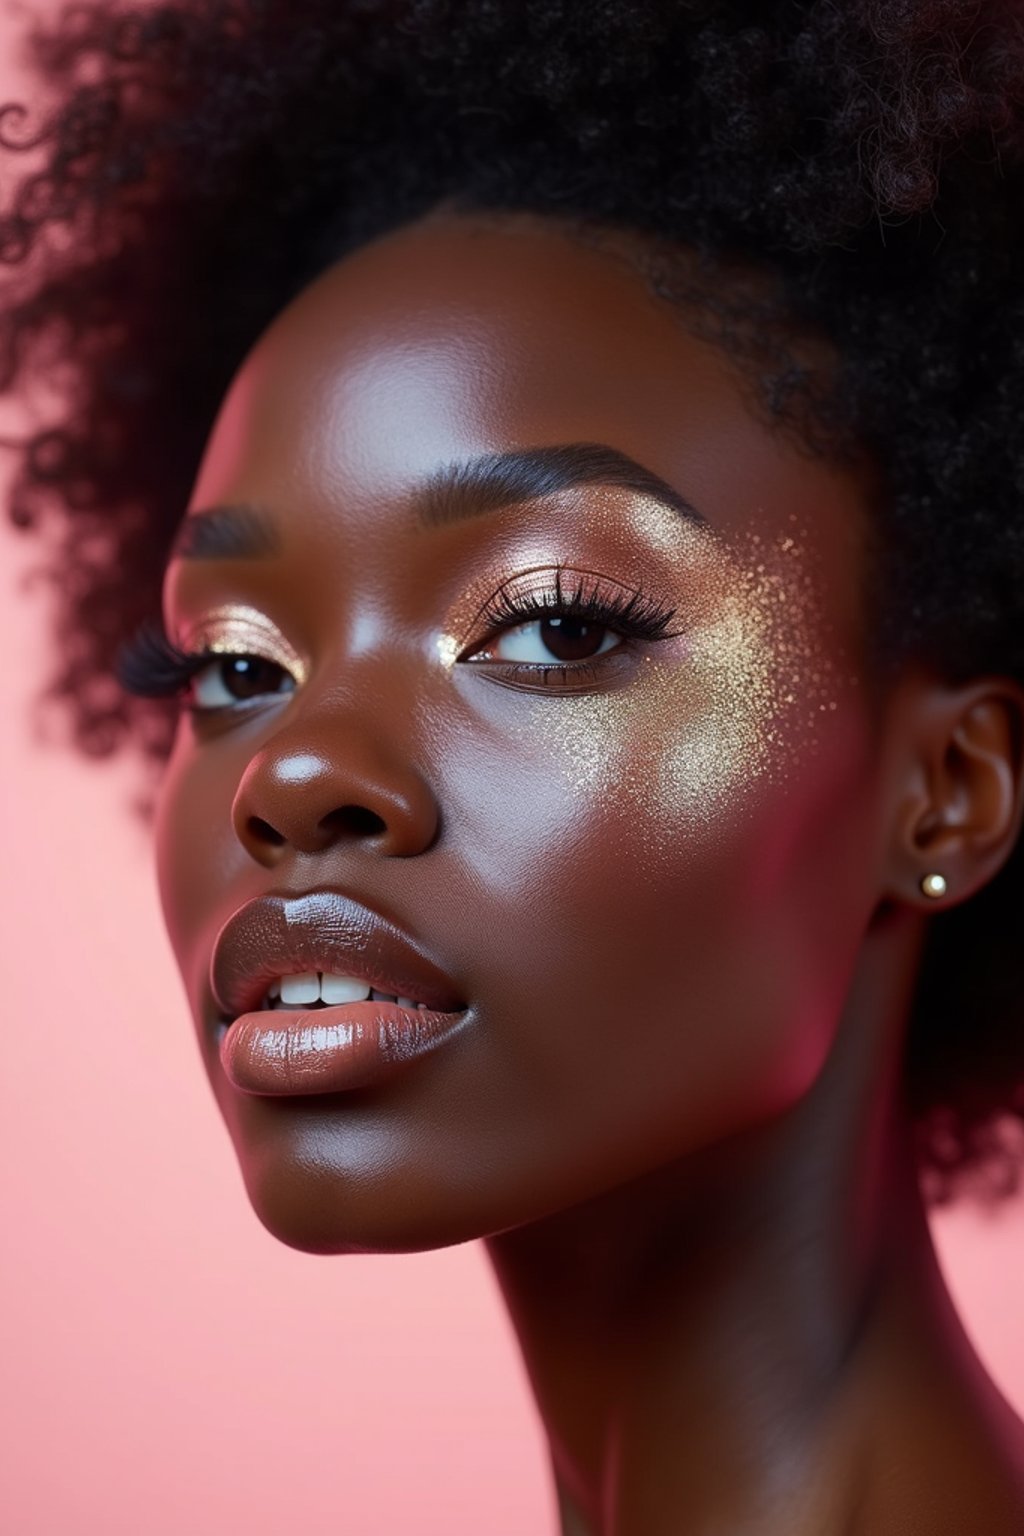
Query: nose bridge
[(342, 765)]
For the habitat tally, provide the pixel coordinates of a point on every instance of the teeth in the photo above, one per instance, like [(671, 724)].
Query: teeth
[(342, 989), (301, 989), (329, 988)]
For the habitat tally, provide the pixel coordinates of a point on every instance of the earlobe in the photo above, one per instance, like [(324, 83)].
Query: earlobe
[(967, 810)]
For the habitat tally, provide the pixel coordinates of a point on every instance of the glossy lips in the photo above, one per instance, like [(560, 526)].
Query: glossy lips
[(329, 1049)]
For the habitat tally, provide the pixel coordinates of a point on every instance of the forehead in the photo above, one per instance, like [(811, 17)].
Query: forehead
[(461, 336)]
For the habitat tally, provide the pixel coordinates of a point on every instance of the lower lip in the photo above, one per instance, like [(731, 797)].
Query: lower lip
[(328, 1050)]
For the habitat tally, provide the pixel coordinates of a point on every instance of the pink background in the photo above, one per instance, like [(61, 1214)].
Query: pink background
[(166, 1364)]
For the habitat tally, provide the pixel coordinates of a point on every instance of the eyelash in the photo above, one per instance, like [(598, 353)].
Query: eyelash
[(635, 617), (150, 665)]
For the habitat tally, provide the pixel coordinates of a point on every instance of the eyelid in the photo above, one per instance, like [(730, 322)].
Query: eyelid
[(543, 580), (527, 596), (238, 629)]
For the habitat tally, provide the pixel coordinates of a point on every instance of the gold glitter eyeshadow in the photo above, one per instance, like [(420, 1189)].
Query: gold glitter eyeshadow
[(629, 538), (237, 629)]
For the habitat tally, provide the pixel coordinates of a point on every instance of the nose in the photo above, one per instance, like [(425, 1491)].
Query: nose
[(308, 796)]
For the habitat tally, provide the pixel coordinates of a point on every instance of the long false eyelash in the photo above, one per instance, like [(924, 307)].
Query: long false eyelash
[(153, 667), (638, 615)]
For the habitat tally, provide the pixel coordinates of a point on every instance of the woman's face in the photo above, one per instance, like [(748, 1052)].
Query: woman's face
[(644, 861)]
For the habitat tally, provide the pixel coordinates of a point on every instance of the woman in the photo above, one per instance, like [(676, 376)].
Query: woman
[(545, 479)]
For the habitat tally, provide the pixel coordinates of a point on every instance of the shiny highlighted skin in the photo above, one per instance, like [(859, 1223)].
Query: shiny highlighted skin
[(328, 1050)]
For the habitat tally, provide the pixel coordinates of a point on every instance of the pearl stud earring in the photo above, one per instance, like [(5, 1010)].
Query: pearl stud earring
[(933, 885)]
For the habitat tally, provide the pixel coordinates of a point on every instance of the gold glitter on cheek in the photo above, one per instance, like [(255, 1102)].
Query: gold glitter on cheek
[(713, 714), (237, 629)]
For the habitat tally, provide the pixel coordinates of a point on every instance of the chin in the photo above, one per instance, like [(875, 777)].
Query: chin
[(314, 1210)]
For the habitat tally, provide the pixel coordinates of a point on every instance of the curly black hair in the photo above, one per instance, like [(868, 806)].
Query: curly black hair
[(201, 161)]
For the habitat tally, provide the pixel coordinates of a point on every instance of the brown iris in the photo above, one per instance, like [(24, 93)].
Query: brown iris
[(249, 677), (572, 639)]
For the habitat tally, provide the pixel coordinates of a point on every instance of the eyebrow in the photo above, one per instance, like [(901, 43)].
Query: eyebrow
[(452, 494), (241, 531), (462, 490)]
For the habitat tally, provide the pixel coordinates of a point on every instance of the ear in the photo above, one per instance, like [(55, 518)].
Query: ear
[(962, 802)]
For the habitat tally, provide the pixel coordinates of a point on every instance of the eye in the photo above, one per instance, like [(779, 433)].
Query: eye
[(556, 638), (566, 632), (234, 679), (152, 666)]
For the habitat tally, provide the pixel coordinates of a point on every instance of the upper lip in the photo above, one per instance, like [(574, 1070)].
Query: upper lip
[(322, 930)]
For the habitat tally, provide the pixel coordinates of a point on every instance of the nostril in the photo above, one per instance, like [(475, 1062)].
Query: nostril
[(264, 831), (355, 818)]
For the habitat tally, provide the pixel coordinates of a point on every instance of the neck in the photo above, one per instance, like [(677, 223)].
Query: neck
[(717, 1346)]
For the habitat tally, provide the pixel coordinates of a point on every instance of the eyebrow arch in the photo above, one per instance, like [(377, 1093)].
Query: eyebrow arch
[(461, 490), (494, 480)]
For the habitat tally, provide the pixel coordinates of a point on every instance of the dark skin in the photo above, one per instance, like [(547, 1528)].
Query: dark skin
[(683, 894)]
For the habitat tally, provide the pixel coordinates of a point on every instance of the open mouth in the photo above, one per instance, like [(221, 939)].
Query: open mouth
[(317, 989), (313, 990)]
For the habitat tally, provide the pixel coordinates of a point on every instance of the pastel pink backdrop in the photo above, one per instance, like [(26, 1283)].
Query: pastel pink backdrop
[(167, 1365)]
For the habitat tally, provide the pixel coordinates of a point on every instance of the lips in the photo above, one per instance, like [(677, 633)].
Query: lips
[(323, 930)]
